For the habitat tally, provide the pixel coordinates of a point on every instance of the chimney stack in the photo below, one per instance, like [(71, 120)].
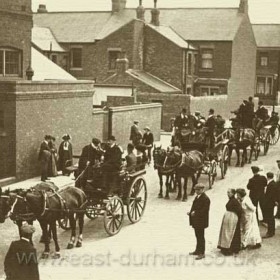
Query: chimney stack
[(243, 7), (155, 14), (118, 5), (42, 8), (140, 11)]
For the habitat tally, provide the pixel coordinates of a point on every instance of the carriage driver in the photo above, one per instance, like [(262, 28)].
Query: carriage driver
[(112, 164)]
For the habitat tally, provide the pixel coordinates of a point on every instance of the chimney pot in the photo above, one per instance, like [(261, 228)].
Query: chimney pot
[(122, 65), (140, 11), (42, 8), (118, 5), (243, 7)]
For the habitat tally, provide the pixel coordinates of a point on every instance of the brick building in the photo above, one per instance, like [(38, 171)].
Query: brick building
[(268, 62), (199, 51)]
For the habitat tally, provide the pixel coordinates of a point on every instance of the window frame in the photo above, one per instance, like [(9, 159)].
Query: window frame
[(202, 50), (71, 58), (263, 55), (209, 90), (190, 64), (110, 51), (4, 51), (265, 86)]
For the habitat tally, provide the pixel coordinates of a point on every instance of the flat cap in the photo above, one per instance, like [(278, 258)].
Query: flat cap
[(255, 168), (136, 121), (199, 186), (147, 128), (27, 229), (270, 175), (113, 138)]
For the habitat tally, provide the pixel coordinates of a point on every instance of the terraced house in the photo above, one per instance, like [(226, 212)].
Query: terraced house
[(203, 52)]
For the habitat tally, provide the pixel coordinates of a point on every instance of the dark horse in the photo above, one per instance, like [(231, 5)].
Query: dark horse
[(8, 197), (185, 164), (48, 207), (241, 139), (159, 156)]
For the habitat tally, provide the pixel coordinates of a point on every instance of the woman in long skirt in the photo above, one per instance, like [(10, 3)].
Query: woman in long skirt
[(250, 232), (230, 239), (65, 154), (52, 168)]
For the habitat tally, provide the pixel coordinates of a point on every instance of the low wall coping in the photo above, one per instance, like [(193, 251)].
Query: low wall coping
[(46, 82), (99, 111), (135, 107), (210, 97), (114, 86)]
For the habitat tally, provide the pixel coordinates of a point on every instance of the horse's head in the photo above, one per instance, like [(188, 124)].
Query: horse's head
[(7, 199), (173, 155), (158, 156)]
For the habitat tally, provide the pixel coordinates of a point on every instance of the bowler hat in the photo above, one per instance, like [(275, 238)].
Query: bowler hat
[(255, 169), (66, 137), (27, 229), (112, 138), (95, 141), (199, 186), (136, 121), (270, 175)]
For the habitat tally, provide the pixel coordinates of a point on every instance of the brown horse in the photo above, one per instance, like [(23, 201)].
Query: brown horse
[(159, 156), (185, 165), (48, 207)]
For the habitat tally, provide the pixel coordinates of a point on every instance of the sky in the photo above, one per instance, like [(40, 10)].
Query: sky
[(260, 11)]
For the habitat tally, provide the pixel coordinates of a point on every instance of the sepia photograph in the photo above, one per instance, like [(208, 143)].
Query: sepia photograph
[(139, 139)]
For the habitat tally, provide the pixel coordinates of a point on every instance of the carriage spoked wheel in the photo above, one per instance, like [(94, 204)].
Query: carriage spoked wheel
[(266, 142), (224, 161), (275, 135), (212, 173), (93, 210), (137, 199), (64, 223), (113, 215)]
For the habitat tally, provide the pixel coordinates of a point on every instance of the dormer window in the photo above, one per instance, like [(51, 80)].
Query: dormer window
[(10, 62), (207, 59)]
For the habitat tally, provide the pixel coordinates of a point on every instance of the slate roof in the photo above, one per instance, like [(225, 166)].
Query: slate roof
[(45, 69), (171, 35), (43, 38), (267, 35), (209, 24), (152, 81)]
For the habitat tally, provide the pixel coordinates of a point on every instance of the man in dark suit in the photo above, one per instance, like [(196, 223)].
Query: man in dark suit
[(148, 141), (91, 154), (21, 260), (211, 125), (44, 157), (256, 185), (199, 219), (135, 133), (181, 120), (111, 165), (269, 202)]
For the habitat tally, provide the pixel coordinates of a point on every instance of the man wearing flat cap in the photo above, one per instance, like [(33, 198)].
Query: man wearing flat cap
[(21, 259), (269, 202), (256, 186), (135, 133), (148, 141), (199, 219)]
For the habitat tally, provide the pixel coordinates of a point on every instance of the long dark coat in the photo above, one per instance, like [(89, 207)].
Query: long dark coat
[(201, 206), (256, 186), (28, 268)]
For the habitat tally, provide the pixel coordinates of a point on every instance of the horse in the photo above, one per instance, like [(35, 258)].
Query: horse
[(48, 207), (185, 165), (7, 197), (159, 156)]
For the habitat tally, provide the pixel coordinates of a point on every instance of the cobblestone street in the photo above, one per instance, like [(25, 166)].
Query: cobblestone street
[(158, 246)]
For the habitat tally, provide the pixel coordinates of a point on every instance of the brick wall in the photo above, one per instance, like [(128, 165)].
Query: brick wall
[(222, 59), (99, 123), (244, 49), (41, 108), (172, 104), (15, 30), (123, 117), (163, 58), (114, 101)]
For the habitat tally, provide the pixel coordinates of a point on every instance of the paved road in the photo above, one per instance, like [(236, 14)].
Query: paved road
[(157, 247)]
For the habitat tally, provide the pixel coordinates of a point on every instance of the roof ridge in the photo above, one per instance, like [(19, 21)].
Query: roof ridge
[(266, 23)]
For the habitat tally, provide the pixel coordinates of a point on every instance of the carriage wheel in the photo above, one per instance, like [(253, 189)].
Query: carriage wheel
[(212, 173), (224, 161), (113, 216), (266, 142), (64, 223), (274, 137), (93, 210), (137, 200)]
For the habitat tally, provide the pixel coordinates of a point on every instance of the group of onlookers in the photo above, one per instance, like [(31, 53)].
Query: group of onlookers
[(240, 225), (53, 160)]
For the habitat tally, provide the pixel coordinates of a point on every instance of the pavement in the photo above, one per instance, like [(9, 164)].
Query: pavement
[(157, 247)]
